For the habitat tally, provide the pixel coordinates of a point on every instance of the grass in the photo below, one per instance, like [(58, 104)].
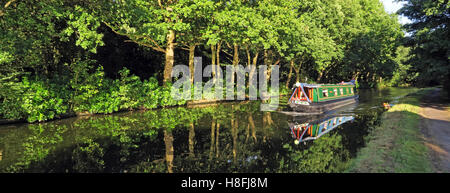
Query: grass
[(396, 145)]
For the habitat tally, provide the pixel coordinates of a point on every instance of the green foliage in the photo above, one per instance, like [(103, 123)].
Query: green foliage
[(402, 75), (429, 41), (27, 42), (99, 95), (89, 94), (327, 41), (41, 101), (150, 96), (84, 25), (34, 100), (5, 58), (10, 106), (129, 89), (397, 144), (165, 98)]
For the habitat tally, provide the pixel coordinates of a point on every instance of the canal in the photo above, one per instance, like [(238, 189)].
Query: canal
[(228, 137)]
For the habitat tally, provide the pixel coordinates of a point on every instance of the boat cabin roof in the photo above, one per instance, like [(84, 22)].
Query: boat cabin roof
[(320, 85)]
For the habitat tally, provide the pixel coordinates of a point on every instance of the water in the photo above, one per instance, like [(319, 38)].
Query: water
[(230, 137)]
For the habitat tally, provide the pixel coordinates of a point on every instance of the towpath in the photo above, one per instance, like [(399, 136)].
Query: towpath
[(436, 129)]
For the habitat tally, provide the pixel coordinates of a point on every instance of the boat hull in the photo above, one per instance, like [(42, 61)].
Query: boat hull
[(323, 106)]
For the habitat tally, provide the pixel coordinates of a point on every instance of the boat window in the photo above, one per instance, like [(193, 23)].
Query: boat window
[(342, 91), (325, 92), (335, 92), (351, 90)]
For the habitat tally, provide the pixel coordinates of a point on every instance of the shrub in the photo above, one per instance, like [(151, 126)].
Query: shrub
[(150, 94), (165, 98), (32, 99), (36, 99), (130, 89), (41, 102), (85, 86), (11, 91)]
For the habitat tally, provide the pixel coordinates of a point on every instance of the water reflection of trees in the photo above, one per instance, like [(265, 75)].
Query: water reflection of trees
[(225, 138)]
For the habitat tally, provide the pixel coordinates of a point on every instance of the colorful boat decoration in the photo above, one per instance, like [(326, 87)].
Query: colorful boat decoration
[(313, 130), (320, 98)]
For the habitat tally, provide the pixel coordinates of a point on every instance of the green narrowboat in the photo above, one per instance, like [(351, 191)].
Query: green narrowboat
[(319, 98)]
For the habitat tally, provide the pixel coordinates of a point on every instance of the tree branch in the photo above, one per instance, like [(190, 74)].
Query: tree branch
[(9, 2), (160, 4), (6, 6), (276, 63), (133, 38)]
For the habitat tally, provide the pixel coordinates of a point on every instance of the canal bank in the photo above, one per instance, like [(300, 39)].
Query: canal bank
[(403, 141)]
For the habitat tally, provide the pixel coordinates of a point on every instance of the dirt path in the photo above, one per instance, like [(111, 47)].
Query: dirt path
[(436, 128)]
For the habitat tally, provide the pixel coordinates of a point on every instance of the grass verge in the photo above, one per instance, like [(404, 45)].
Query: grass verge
[(396, 145)]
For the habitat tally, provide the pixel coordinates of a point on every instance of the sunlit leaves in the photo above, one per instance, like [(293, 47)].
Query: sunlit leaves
[(85, 26), (429, 40)]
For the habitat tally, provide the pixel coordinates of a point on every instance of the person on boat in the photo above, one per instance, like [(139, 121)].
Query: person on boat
[(386, 105), (296, 85)]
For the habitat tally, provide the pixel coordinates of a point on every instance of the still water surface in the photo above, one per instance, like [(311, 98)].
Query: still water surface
[(229, 137)]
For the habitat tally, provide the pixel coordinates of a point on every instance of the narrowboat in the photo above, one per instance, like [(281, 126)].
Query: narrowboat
[(319, 98), (307, 131)]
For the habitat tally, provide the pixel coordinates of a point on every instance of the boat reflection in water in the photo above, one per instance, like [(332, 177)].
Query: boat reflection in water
[(310, 129)]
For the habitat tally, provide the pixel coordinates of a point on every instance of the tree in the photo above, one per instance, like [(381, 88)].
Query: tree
[(197, 14), (153, 24), (429, 40)]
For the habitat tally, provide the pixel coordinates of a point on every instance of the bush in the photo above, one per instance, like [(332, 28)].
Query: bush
[(11, 91), (35, 100), (85, 86), (150, 94), (165, 98), (130, 89), (41, 102), (107, 100)]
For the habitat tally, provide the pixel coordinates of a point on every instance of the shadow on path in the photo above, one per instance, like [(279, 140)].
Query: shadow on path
[(436, 129)]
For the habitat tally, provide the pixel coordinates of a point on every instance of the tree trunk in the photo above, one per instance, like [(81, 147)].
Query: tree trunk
[(218, 59), (290, 73), (267, 61), (213, 61), (249, 58), (252, 71), (297, 75), (235, 54), (269, 70), (191, 61), (235, 60), (169, 54)]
